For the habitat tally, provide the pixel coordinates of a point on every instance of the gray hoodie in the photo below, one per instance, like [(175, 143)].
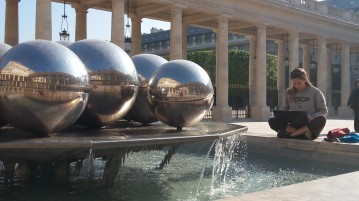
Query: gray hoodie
[(310, 99)]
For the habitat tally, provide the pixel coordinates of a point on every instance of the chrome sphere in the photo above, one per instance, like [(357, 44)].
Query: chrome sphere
[(65, 43), (145, 65), (42, 86), (113, 80), (180, 93), (3, 49)]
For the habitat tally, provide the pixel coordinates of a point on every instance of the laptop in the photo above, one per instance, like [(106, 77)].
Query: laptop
[(299, 118)]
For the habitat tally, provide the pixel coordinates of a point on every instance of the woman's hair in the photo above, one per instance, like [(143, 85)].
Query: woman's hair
[(356, 82), (298, 73)]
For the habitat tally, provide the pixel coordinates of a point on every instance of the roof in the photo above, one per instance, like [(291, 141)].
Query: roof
[(165, 35)]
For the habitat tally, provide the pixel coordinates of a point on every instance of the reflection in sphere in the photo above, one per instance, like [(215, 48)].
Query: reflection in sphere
[(3, 49), (113, 80), (42, 86), (180, 93), (145, 65), (65, 43)]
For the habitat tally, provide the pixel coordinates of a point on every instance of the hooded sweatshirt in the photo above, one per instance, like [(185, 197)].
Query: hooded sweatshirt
[(310, 99)]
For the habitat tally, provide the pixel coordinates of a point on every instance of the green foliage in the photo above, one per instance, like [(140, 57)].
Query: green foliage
[(272, 63), (238, 65), (206, 59)]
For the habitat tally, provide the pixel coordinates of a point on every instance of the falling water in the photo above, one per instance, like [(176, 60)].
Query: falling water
[(204, 167), (223, 166)]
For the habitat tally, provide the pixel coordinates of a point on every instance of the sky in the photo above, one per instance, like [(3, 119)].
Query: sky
[(99, 22)]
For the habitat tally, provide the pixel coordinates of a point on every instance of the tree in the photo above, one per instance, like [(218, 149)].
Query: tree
[(238, 65)]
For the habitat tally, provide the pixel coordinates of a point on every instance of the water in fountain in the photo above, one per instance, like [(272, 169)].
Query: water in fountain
[(206, 170)]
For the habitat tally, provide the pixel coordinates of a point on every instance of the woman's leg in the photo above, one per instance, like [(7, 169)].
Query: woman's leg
[(276, 125), (316, 126), (279, 127)]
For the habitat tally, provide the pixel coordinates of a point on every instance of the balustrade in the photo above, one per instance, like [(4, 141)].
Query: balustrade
[(321, 8)]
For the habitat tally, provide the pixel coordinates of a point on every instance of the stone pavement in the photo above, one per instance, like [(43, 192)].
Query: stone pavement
[(262, 128)]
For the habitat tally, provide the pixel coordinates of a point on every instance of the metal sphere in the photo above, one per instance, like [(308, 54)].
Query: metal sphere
[(42, 87), (3, 49), (65, 43), (145, 65), (113, 80), (180, 93)]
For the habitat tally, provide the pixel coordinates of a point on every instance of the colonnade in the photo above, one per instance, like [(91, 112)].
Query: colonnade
[(257, 63)]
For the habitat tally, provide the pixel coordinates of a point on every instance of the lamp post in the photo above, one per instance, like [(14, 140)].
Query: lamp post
[(128, 41), (312, 64), (64, 35), (356, 66), (286, 59), (336, 68)]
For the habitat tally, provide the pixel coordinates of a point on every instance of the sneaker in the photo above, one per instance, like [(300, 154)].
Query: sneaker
[(308, 135)]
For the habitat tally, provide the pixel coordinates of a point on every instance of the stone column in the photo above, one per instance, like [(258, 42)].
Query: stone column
[(306, 59), (43, 20), (176, 34), (222, 112), (260, 111), (81, 23), (12, 22), (117, 23), (252, 69), (343, 110), (184, 41), (136, 35), (293, 50), (322, 75), (281, 72), (329, 83)]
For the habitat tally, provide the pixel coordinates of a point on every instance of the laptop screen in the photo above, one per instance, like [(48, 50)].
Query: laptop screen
[(299, 118)]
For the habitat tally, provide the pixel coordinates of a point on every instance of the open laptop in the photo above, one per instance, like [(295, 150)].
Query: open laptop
[(299, 118)]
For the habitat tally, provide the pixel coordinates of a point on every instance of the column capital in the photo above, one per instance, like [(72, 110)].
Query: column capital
[(11, 0), (293, 31), (178, 8), (135, 17), (112, 1), (321, 39), (252, 37), (303, 45), (261, 26), (263, 23), (345, 44), (223, 18), (278, 42), (80, 8)]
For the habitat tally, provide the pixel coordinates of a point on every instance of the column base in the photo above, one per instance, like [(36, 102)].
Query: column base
[(260, 113), (345, 112), (223, 114)]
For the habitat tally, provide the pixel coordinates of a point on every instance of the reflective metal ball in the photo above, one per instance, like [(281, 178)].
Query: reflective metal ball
[(42, 87), (3, 49), (145, 65), (113, 80), (180, 93), (65, 43)]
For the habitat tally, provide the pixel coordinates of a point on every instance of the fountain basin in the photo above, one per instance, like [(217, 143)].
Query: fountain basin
[(77, 140)]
